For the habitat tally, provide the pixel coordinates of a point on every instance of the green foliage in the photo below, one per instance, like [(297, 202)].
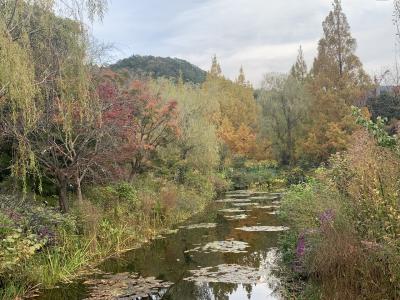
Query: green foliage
[(26, 229), (156, 67), (245, 174), (377, 129), (285, 105), (386, 105), (126, 192), (295, 175), (287, 245), (347, 223)]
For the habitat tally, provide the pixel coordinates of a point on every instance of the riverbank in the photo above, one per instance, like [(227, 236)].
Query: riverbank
[(43, 247), (344, 220)]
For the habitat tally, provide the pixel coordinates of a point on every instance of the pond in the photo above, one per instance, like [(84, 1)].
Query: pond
[(227, 252)]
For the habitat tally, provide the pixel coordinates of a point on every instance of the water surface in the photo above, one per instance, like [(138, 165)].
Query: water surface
[(226, 252)]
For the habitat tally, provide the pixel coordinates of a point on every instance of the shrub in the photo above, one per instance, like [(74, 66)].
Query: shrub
[(347, 224)]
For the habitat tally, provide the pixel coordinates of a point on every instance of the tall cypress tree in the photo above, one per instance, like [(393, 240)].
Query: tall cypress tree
[(299, 69), (336, 64), (215, 67), (241, 79)]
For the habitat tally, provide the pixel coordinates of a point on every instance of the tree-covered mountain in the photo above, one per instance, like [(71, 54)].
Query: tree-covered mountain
[(161, 67)]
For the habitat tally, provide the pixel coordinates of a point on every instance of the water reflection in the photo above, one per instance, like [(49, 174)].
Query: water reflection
[(245, 274)]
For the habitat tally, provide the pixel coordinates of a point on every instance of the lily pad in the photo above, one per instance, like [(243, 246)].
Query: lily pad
[(172, 231), (232, 210), (222, 246), (238, 192), (236, 217), (231, 200), (244, 204), (268, 206), (227, 273), (125, 286), (263, 228), (200, 225), (266, 198)]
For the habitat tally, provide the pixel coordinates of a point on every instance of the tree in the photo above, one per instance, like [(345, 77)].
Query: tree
[(336, 66), (299, 69), (69, 154), (43, 60), (215, 67), (285, 104), (142, 122), (197, 144), (337, 81), (241, 79), (237, 107)]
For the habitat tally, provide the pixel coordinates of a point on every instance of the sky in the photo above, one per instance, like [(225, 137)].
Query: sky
[(261, 35)]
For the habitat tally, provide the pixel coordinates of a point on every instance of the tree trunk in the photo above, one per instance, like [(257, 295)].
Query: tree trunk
[(62, 198), (79, 189)]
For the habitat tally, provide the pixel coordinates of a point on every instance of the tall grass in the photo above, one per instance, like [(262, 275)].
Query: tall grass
[(345, 225), (112, 219)]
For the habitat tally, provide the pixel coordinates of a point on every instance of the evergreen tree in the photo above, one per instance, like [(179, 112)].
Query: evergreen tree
[(215, 67), (337, 66), (338, 81), (299, 69), (241, 78)]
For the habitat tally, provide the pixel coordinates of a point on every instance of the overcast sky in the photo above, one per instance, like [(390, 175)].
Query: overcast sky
[(261, 35)]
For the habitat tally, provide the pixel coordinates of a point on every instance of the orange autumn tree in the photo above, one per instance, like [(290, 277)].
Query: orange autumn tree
[(338, 80), (238, 119)]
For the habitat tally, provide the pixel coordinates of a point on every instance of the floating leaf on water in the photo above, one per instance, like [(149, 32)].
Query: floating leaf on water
[(227, 273), (231, 200), (263, 228), (200, 225), (268, 206), (267, 198), (259, 193), (172, 231), (125, 286), (244, 204), (238, 192), (236, 217), (232, 210), (229, 246)]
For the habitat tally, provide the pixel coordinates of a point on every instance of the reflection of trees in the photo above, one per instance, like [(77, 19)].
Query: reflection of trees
[(166, 259), (189, 290), (249, 290), (222, 291)]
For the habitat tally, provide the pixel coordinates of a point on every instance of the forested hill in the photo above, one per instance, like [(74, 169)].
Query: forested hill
[(161, 67)]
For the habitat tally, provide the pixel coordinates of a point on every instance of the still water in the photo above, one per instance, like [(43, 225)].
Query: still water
[(227, 252)]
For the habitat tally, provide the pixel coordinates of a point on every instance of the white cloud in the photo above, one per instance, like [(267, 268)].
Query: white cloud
[(261, 35)]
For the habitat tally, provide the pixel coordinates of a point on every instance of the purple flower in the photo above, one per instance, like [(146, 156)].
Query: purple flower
[(300, 252), (13, 215), (301, 246), (47, 234), (327, 216)]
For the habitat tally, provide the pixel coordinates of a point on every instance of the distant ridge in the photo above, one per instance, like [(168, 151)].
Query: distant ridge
[(157, 66)]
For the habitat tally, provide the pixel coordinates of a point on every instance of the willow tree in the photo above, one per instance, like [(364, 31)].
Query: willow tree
[(43, 62), (285, 104), (195, 149)]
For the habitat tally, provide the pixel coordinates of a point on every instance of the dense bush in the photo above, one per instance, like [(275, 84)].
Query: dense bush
[(245, 174), (346, 224)]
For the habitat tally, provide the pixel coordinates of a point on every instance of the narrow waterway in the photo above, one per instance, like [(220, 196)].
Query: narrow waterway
[(226, 252)]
